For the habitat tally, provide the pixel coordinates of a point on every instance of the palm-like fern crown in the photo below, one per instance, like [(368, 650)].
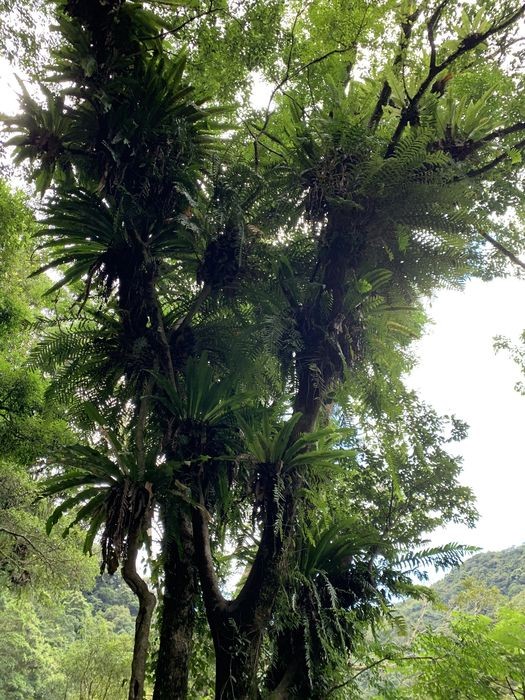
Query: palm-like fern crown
[(105, 486), (123, 142)]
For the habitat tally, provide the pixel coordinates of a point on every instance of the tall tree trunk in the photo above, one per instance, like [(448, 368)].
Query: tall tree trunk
[(178, 612), (238, 626), (147, 603), (237, 651)]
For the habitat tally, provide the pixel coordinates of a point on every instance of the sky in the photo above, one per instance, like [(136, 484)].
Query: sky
[(8, 88), (458, 372)]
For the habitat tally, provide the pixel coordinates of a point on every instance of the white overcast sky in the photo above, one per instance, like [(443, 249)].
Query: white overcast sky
[(459, 373)]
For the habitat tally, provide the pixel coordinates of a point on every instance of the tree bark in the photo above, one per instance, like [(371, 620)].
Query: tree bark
[(147, 603), (178, 612), (238, 626), (237, 650)]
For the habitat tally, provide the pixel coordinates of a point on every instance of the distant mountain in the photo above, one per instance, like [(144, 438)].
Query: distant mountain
[(505, 570), (482, 583)]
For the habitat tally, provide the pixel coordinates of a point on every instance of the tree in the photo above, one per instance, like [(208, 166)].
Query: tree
[(477, 657), (30, 426), (230, 292)]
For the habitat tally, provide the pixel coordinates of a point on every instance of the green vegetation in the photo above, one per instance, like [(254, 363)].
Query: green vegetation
[(65, 647), (220, 352), (504, 571), (483, 582), (472, 646)]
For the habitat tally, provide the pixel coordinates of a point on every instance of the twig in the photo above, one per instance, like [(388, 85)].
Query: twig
[(386, 90), (210, 11), (502, 249), (279, 85), (376, 663), (18, 535), (511, 688), (288, 74)]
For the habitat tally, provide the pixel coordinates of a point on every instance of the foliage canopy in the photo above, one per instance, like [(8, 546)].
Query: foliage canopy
[(235, 284)]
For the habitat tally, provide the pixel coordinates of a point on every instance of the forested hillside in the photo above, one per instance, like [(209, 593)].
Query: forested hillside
[(480, 584), (467, 643), (504, 570), (71, 645)]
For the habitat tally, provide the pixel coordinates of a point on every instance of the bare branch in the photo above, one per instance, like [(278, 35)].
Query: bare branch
[(511, 688), (502, 249), (431, 27), (288, 74), (277, 87), (333, 52), (386, 90)]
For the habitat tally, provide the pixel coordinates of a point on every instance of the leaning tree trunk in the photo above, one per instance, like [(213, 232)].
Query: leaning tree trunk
[(238, 626), (178, 612), (147, 603)]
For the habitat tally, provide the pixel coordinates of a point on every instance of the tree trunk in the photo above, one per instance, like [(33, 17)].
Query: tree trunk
[(238, 626), (178, 612), (237, 650), (147, 603), (288, 670)]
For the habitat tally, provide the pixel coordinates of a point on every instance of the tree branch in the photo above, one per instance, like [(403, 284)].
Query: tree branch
[(319, 59), (376, 663), (511, 688), (386, 90), (431, 26), (279, 85), (210, 11), (18, 535), (494, 162), (514, 128), (147, 602), (195, 305), (467, 151), (502, 249), (213, 599), (468, 44), (293, 74)]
